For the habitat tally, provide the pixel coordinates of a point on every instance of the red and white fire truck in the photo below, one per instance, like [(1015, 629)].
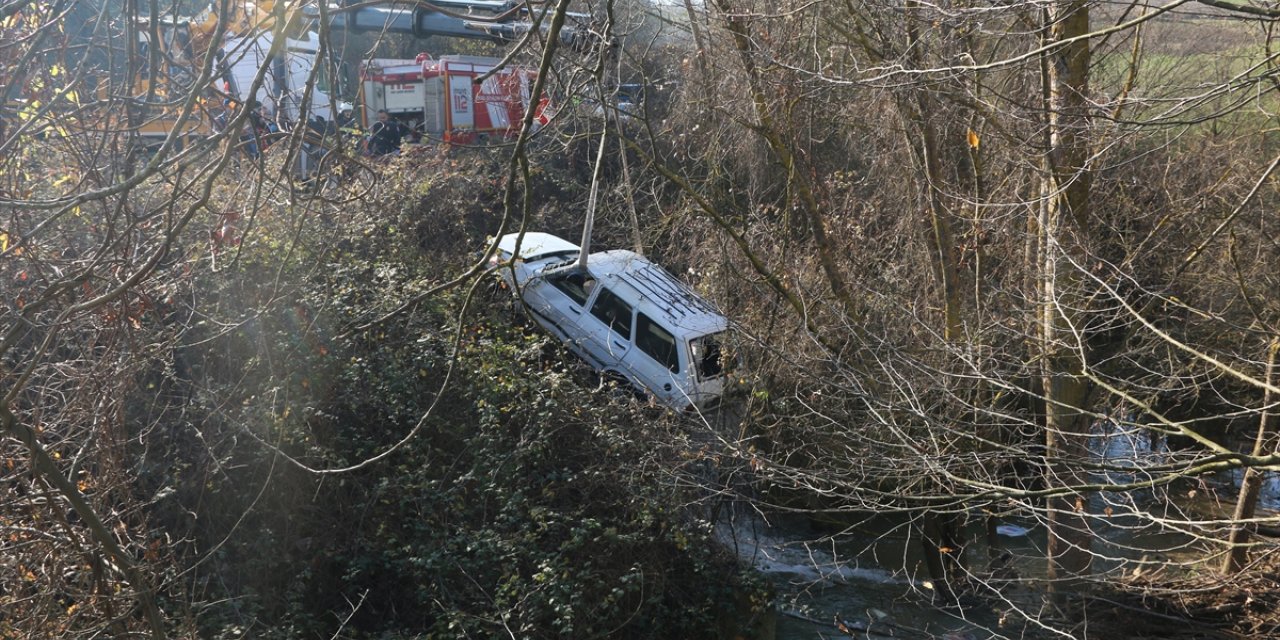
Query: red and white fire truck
[(441, 97)]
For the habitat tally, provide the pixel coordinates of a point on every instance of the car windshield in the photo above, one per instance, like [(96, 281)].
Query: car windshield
[(709, 355), (575, 284)]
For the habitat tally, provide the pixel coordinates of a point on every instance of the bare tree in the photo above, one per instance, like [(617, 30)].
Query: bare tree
[(1062, 171)]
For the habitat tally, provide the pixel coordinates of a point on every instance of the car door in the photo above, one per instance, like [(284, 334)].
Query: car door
[(607, 328), (558, 302), (655, 361)]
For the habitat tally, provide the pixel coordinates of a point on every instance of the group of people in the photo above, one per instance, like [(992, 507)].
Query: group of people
[(384, 137)]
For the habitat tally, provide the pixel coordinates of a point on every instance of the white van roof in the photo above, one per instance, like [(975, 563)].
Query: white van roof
[(663, 296)]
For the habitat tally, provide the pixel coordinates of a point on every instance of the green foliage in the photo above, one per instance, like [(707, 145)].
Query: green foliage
[(524, 503), (524, 514)]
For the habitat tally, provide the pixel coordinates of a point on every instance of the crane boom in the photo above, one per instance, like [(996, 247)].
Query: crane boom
[(410, 21), (491, 20)]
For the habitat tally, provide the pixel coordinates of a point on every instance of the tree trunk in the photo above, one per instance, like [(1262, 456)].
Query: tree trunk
[(940, 532), (1238, 553), (700, 53), (768, 128), (1065, 226), (942, 541), (945, 256)]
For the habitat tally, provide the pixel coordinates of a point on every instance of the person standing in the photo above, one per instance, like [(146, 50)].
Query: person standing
[(385, 135)]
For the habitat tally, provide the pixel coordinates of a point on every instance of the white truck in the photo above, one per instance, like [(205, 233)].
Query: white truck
[(246, 46), (283, 88)]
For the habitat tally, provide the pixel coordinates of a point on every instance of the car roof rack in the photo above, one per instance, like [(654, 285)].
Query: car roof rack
[(674, 296)]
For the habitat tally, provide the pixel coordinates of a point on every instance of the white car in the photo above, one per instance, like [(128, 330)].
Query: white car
[(626, 316)]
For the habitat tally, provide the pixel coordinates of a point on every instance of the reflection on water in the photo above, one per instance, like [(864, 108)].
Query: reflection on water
[(1169, 523), (1269, 499), (1127, 445)]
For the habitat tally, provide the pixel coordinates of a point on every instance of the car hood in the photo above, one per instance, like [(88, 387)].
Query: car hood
[(534, 245)]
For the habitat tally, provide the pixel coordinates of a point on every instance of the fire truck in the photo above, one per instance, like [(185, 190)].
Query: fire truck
[(435, 95), (446, 98)]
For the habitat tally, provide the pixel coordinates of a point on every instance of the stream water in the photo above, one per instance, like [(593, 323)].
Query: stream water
[(822, 583), (871, 577)]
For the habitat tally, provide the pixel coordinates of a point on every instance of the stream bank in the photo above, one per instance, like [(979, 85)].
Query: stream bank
[(829, 588), (1154, 578)]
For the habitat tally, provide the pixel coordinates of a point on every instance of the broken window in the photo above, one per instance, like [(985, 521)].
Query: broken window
[(708, 355)]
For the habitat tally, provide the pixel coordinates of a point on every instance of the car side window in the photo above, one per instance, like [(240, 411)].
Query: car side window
[(613, 311), (575, 284), (656, 342)]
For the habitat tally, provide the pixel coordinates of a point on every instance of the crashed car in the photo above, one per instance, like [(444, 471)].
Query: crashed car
[(627, 317)]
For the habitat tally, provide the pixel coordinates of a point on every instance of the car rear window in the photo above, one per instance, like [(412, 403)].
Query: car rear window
[(613, 311), (656, 342)]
